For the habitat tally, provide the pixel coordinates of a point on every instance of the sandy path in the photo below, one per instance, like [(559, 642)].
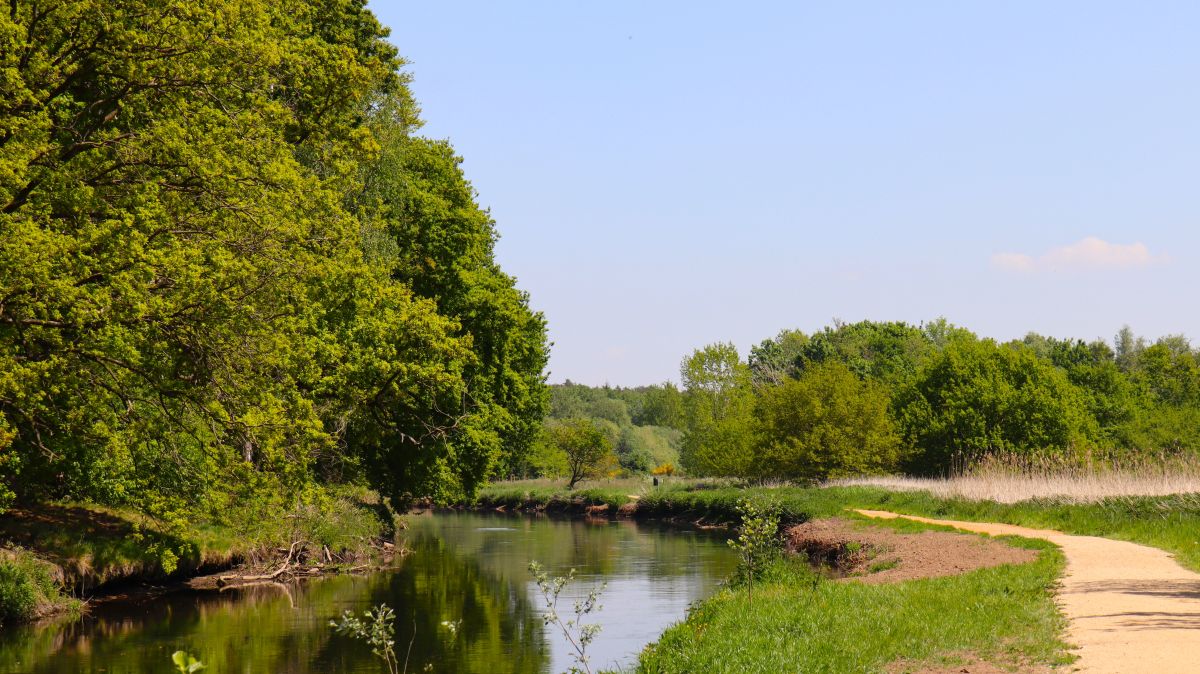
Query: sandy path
[(1131, 608)]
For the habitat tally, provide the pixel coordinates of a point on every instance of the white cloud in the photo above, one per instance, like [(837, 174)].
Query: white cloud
[(1090, 253)]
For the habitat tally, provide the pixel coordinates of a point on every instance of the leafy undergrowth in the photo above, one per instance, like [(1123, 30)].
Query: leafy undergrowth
[(1167, 522), (1004, 614), (54, 551), (30, 587)]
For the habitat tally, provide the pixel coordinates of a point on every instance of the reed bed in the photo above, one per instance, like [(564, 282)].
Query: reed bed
[(1011, 478)]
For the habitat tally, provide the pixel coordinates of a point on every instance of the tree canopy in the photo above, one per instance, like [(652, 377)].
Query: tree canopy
[(229, 264)]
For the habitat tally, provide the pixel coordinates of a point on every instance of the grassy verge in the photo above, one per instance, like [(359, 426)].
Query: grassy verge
[(30, 587), (1167, 522), (1004, 614), (54, 551)]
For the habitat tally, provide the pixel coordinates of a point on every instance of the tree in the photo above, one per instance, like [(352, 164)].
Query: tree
[(441, 243), (826, 424), (977, 397), (587, 448), (662, 405), (1128, 347), (173, 245), (229, 268), (774, 360), (889, 351), (718, 406)]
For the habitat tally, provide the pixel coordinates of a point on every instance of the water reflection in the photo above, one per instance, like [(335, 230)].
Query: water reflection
[(464, 566)]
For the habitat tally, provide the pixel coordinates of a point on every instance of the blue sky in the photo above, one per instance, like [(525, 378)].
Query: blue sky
[(670, 174)]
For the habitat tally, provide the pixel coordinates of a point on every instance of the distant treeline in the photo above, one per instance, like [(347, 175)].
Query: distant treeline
[(879, 397), (643, 426)]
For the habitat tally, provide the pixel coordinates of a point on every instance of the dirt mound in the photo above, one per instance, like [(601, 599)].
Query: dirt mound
[(881, 555)]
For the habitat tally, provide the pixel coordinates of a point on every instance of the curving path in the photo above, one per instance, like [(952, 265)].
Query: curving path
[(1131, 608)]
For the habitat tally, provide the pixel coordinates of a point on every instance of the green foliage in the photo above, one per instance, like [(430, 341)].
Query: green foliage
[(377, 629), (185, 663), (661, 405), (826, 424), (578, 634), (28, 587), (977, 397), (774, 360), (587, 449), (718, 407), (230, 269), (889, 351), (639, 423), (641, 448), (757, 542)]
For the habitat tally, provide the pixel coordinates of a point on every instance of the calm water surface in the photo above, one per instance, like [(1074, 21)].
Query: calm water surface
[(465, 566)]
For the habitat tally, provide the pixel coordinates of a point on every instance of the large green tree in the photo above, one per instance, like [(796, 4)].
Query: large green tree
[(891, 351), (718, 408), (438, 241), (206, 289), (977, 397), (828, 423)]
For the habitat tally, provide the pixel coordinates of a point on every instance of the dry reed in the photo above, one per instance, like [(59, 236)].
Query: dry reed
[(1010, 478)]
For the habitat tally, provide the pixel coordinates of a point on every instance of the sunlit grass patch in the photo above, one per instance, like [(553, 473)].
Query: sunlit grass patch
[(1003, 614)]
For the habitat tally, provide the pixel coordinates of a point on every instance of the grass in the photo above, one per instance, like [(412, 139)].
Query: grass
[(53, 551), (1004, 614), (1171, 523), (30, 588)]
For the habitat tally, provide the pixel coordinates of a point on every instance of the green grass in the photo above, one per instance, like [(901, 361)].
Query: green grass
[(53, 550), (1004, 614), (1171, 523), (30, 587), (93, 545)]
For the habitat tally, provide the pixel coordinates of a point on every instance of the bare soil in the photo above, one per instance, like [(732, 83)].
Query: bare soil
[(880, 555)]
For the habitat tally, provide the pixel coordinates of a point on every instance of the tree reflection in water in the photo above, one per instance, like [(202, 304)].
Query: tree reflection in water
[(467, 567)]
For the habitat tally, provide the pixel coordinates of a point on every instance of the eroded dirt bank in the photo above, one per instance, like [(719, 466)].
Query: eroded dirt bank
[(880, 555)]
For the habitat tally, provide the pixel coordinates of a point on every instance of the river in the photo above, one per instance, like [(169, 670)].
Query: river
[(468, 567)]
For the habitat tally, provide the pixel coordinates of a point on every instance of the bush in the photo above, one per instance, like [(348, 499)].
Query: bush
[(28, 587)]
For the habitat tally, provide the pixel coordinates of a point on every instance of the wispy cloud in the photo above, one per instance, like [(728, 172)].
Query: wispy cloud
[(1090, 253)]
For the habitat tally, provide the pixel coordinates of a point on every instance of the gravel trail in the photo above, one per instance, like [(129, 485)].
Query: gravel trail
[(1131, 608)]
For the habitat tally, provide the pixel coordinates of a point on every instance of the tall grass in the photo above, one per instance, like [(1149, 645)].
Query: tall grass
[(1013, 478), (29, 587)]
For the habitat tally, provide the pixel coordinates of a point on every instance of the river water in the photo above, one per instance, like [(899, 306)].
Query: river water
[(467, 567)]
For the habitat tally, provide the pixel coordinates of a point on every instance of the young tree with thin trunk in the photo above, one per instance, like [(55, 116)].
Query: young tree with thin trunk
[(587, 448)]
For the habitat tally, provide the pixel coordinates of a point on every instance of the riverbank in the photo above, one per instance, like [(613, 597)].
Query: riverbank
[(987, 620), (57, 558), (1166, 522)]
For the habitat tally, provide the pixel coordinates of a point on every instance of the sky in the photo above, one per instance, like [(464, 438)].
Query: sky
[(666, 174)]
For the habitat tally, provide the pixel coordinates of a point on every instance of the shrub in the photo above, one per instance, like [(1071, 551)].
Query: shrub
[(29, 587)]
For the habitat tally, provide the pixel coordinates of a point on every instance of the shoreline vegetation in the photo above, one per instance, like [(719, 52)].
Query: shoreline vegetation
[(799, 621), (1168, 522), (63, 557)]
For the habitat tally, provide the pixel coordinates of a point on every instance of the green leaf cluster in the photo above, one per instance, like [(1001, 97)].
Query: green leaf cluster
[(229, 266)]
